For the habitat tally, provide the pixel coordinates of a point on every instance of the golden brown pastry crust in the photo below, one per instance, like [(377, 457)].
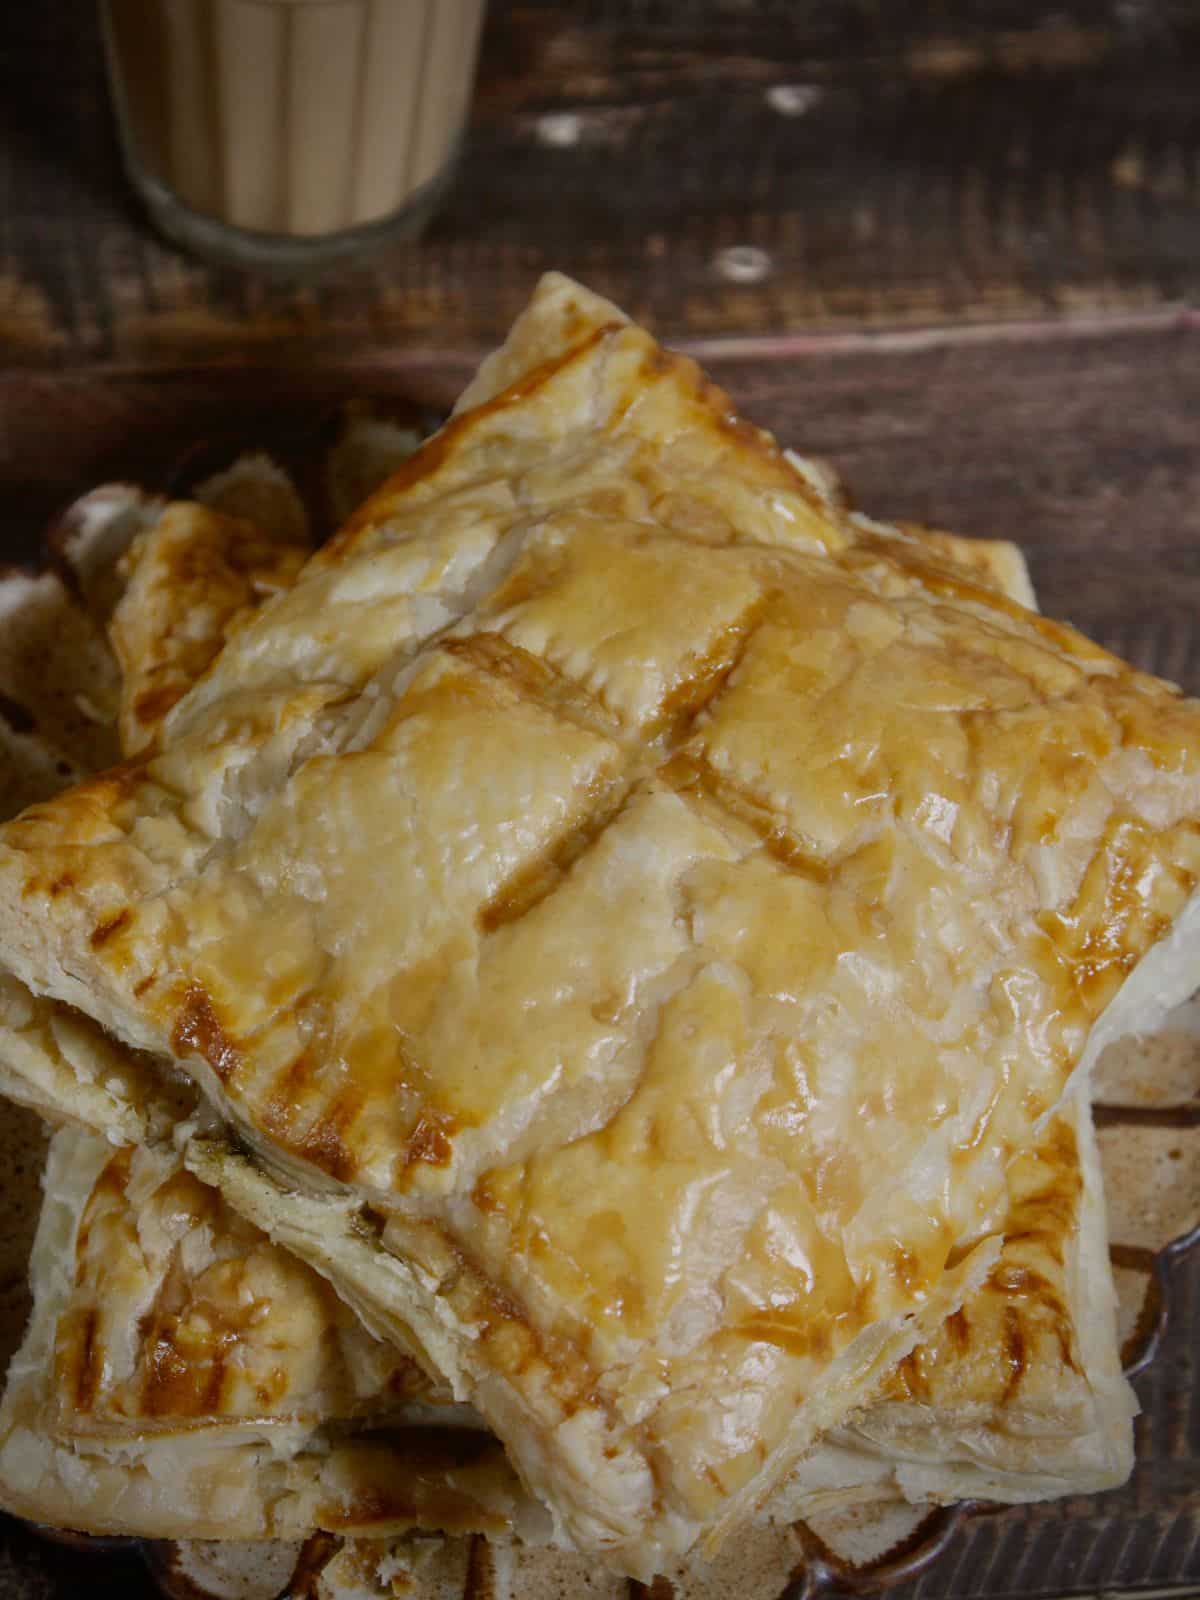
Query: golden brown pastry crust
[(183, 1377), (192, 577), (1019, 1395), (682, 902), (184, 604), (176, 580), (57, 1060)]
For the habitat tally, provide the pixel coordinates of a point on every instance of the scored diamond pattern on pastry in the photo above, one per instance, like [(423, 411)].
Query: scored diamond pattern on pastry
[(459, 888)]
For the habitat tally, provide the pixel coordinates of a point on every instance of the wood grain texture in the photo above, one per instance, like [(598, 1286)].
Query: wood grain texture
[(923, 163), (1081, 446)]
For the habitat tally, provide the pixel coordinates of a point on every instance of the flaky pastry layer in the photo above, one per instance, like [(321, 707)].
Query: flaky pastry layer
[(682, 903), (57, 1060), (182, 1377)]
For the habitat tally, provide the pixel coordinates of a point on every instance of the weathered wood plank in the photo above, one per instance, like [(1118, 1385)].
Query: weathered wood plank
[(1079, 445), (923, 163)]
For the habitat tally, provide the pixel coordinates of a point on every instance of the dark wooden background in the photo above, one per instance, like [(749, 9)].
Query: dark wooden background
[(1080, 443), (954, 247), (946, 160)]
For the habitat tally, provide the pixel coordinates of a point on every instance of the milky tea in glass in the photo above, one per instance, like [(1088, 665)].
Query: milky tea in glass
[(290, 132)]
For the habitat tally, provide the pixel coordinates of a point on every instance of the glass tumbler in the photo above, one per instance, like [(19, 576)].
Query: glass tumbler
[(286, 134)]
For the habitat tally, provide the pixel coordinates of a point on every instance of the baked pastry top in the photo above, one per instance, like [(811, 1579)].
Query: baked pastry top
[(1019, 1394), (189, 574), (960, 1421), (669, 900), (184, 1377), (166, 1282), (191, 577)]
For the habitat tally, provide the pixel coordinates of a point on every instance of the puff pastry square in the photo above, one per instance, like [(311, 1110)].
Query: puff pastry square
[(191, 577), (668, 903), (182, 1377), (1019, 1394), (1050, 1415), (178, 579)]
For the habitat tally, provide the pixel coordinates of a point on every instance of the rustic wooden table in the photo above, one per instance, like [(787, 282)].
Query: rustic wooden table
[(885, 165), (955, 248)]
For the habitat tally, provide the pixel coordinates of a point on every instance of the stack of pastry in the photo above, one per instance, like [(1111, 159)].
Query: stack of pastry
[(571, 1020)]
